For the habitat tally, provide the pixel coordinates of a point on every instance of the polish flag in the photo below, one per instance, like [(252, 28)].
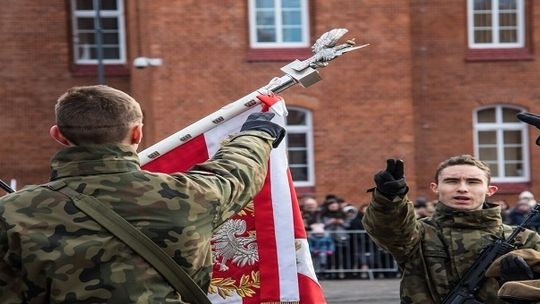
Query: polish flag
[(262, 254)]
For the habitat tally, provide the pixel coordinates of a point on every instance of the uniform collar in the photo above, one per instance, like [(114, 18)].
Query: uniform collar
[(94, 159), (489, 216)]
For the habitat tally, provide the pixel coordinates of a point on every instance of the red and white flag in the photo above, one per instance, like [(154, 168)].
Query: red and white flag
[(261, 254)]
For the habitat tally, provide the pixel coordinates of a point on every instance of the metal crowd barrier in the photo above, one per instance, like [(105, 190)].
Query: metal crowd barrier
[(355, 255)]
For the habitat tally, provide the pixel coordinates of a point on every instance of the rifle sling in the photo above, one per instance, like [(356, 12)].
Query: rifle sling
[(137, 241)]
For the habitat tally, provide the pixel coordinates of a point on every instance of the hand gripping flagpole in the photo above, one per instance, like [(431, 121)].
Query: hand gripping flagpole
[(304, 72)]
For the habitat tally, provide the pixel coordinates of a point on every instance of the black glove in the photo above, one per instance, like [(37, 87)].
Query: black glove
[(391, 182), (515, 268), (531, 119), (260, 121)]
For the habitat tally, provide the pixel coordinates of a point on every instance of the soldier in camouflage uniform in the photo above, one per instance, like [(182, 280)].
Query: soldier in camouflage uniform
[(434, 252), (53, 253)]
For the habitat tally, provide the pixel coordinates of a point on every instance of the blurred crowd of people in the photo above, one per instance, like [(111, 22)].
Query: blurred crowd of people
[(516, 214), (336, 236)]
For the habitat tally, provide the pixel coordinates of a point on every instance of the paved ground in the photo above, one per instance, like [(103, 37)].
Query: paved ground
[(378, 291)]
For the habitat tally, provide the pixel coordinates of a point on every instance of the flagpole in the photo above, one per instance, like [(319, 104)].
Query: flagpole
[(303, 72)]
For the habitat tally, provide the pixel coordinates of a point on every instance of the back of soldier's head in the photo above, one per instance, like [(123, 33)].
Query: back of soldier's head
[(96, 114)]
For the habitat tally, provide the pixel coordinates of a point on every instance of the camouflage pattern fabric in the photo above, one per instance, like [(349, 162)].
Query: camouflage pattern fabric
[(53, 253), (434, 252)]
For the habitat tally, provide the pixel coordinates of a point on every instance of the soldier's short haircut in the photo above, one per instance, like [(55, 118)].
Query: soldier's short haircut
[(463, 160), (96, 114)]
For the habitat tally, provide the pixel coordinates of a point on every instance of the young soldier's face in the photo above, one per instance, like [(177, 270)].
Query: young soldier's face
[(463, 187)]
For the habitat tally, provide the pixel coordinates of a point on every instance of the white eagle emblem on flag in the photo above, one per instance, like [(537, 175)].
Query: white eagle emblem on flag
[(230, 244)]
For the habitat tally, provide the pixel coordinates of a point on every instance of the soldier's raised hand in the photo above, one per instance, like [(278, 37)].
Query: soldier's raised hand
[(261, 121), (391, 182)]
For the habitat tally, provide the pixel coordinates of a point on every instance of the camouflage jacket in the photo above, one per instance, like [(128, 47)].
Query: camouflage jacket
[(434, 252), (52, 253)]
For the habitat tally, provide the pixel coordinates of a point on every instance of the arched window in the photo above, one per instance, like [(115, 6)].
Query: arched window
[(501, 141), (300, 146)]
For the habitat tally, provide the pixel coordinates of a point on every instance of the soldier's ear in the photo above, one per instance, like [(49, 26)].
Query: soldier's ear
[(491, 190), (136, 134), (434, 187), (58, 136)]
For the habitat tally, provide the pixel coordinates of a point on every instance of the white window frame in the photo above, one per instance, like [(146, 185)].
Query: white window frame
[(279, 27), (499, 126), (119, 14), (306, 129), (520, 7)]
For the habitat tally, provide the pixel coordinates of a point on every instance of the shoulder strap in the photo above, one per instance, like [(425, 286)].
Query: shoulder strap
[(136, 240)]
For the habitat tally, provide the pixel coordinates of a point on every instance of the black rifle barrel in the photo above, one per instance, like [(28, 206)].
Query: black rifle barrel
[(6, 187)]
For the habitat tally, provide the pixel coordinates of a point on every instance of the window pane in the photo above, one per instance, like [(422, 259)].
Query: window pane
[(512, 137), (265, 18), (482, 20), (507, 4), (512, 153), (482, 4), (487, 137), (483, 36), (488, 154), (87, 52), (290, 3), (487, 115), (110, 53), (291, 18), (109, 23), (494, 169), (85, 24), (297, 157), (513, 169), (299, 174), (87, 38), (109, 5), (292, 35), (84, 5), (110, 38), (506, 19), (508, 36), (296, 140), (509, 115), (296, 118), (264, 3), (266, 35)]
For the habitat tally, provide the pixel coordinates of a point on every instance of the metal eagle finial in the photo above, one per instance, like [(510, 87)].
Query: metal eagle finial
[(326, 49)]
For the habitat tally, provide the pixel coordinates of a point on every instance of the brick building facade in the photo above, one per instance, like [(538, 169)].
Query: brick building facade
[(411, 94)]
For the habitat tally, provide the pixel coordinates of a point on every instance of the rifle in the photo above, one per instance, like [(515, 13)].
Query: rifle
[(6, 187), (469, 284)]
